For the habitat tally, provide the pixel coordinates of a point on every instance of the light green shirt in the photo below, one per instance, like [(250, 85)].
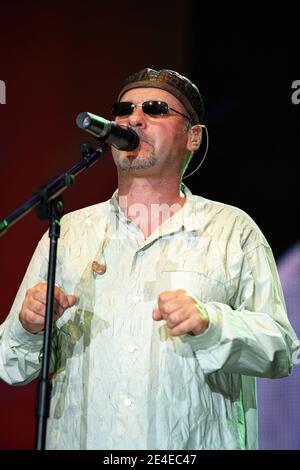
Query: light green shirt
[(120, 380)]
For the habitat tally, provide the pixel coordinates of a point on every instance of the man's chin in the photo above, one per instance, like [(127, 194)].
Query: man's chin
[(135, 163)]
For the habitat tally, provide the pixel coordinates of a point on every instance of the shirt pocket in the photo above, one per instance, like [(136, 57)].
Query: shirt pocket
[(199, 284)]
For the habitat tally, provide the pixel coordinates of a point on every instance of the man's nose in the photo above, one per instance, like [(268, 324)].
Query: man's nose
[(137, 118)]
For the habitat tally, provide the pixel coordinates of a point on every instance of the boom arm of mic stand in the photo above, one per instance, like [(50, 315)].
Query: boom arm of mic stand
[(54, 187)]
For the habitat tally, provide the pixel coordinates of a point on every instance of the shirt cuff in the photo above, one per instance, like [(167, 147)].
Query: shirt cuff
[(20, 337), (211, 336)]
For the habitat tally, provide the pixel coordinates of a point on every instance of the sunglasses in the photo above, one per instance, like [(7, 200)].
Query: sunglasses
[(153, 108)]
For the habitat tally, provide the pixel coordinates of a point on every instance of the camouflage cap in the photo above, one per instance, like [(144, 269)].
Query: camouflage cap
[(169, 80)]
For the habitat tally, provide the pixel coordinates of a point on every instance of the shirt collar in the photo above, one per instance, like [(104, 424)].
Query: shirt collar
[(190, 216)]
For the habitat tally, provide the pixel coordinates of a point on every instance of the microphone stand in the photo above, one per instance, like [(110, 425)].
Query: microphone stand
[(49, 206)]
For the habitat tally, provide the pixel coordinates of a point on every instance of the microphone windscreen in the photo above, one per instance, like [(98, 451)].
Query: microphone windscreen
[(83, 120)]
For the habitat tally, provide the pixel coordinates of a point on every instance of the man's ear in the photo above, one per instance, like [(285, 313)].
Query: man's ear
[(194, 138)]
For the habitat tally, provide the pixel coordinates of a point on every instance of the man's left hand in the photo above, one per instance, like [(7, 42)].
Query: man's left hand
[(181, 313)]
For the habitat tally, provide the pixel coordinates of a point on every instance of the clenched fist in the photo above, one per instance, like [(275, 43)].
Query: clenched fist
[(32, 315), (181, 312)]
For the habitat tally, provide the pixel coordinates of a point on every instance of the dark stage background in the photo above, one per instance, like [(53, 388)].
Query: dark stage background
[(57, 60)]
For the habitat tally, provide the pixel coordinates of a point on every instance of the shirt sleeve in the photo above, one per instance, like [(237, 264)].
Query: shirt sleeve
[(20, 350), (252, 336)]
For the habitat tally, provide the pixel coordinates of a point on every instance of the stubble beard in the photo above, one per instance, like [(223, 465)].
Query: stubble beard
[(127, 164)]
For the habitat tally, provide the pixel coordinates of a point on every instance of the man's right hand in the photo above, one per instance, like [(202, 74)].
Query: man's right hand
[(32, 315)]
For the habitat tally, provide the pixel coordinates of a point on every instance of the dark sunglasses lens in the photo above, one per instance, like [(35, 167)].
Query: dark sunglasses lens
[(122, 109), (155, 107)]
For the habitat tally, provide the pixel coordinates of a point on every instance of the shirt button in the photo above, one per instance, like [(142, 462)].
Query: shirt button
[(131, 348), (136, 299), (127, 402)]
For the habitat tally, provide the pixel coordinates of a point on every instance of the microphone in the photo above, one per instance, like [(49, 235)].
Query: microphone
[(121, 137)]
